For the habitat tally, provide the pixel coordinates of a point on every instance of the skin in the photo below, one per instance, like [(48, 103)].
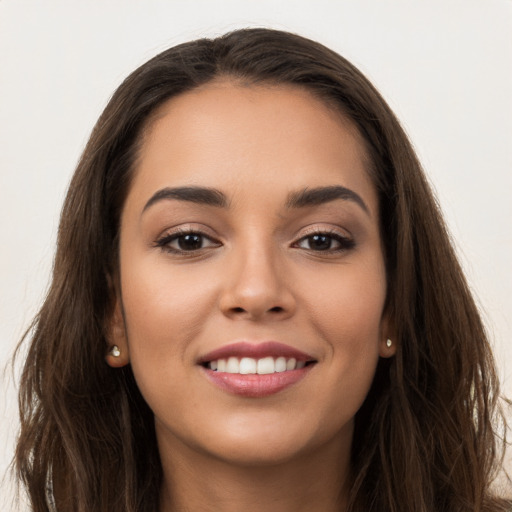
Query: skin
[(256, 277)]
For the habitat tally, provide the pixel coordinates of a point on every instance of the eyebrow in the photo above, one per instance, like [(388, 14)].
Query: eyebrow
[(199, 195), (321, 195), (301, 199)]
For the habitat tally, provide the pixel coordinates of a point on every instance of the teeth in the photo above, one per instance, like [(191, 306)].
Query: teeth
[(280, 364), (233, 366), (266, 365), (248, 365)]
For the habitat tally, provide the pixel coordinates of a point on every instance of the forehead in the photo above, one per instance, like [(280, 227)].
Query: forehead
[(241, 137)]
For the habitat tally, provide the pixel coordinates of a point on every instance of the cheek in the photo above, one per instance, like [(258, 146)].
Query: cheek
[(348, 315), (164, 310), (349, 307)]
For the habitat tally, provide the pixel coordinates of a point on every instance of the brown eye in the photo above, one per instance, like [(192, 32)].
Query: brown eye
[(186, 242), (325, 242), (190, 242), (319, 242)]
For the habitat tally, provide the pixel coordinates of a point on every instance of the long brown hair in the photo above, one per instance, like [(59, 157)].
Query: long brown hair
[(426, 437)]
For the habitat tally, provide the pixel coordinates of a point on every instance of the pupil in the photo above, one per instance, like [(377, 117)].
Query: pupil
[(320, 242), (190, 242)]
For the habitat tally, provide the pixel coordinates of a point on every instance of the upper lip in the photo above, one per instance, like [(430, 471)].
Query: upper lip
[(255, 351)]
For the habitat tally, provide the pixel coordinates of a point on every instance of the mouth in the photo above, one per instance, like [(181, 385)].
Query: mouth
[(251, 366), (256, 370)]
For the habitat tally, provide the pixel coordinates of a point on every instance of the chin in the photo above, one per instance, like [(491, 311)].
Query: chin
[(270, 440), (260, 452)]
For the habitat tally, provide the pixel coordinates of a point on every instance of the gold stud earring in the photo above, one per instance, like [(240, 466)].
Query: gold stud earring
[(114, 351), (389, 343)]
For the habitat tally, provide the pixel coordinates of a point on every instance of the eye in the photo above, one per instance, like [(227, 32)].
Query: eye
[(186, 242), (325, 242)]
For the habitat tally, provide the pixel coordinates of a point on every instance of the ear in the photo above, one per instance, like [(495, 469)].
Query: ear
[(388, 340), (115, 333)]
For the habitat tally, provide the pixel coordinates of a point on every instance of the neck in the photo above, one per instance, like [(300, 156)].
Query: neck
[(311, 482)]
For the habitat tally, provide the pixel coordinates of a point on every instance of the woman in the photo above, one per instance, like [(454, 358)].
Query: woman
[(255, 303)]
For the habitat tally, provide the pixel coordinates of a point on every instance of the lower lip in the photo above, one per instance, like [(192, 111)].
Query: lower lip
[(254, 385)]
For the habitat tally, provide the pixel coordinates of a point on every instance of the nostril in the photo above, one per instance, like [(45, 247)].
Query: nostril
[(275, 309)]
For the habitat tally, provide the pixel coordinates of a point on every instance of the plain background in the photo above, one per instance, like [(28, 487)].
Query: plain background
[(445, 67)]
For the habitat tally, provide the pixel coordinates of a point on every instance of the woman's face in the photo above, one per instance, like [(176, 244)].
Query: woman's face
[(251, 236)]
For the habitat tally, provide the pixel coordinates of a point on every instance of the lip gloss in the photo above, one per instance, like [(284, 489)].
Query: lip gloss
[(256, 385)]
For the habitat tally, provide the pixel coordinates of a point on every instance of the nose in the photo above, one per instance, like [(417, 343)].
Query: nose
[(257, 287)]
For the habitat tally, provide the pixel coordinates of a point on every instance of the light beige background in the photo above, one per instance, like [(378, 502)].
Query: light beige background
[(445, 66)]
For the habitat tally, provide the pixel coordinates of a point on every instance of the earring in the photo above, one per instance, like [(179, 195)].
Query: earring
[(389, 343), (114, 351)]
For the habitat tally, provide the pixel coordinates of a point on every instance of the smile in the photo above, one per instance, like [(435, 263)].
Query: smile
[(256, 370), (249, 365)]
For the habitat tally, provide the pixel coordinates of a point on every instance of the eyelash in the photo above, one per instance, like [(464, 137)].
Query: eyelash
[(345, 243), (165, 241)]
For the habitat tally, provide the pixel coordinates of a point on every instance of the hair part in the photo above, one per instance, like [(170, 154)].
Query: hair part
[(426, 436)]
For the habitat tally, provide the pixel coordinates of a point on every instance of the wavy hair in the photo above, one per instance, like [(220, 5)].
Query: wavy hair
[(426, 437)]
